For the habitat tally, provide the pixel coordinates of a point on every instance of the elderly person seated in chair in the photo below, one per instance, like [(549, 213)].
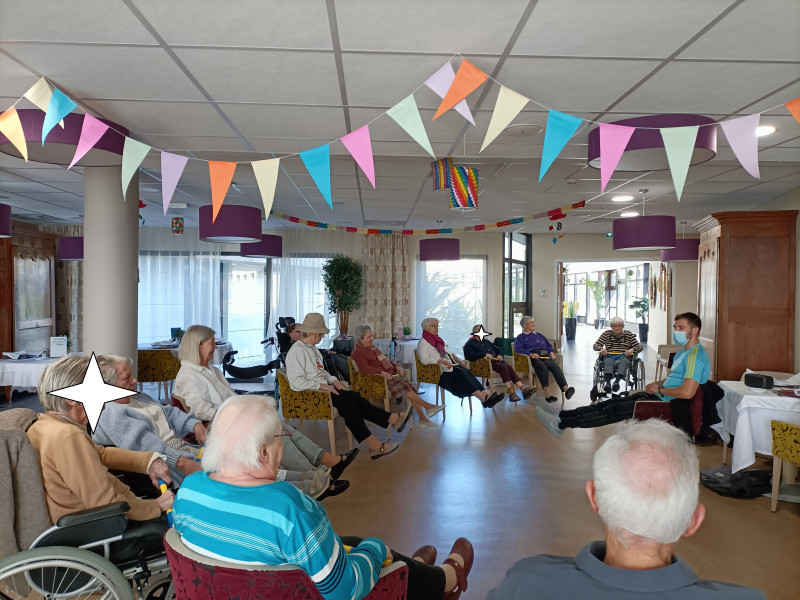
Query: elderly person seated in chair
[(369, 359), (235, 510), (455, 378), (617, 347), (543, 356), (305, 370), (478, 347), (204, 388), (645, 490), (690, 369), (75, 471)]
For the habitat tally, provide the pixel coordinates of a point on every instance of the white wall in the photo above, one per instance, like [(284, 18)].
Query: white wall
[(683, 299)]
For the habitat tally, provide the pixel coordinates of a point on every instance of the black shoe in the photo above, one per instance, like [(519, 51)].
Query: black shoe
[(616, 386), (551, 399), (607, 388), (402, 425), (334, 489), (493, 399), (528, 392), (338, 468), (570, 392)]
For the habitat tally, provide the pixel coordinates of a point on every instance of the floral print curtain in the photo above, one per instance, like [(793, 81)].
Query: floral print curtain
[(387, 288)]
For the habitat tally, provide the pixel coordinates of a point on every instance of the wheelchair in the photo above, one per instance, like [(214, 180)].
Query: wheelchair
[(634, 378)]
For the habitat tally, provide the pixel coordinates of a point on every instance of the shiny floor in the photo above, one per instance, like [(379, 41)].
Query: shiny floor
[(498, 478)]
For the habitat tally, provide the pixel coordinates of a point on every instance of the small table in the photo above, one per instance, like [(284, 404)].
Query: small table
[(219, 352), (747, 415), (22, 374)]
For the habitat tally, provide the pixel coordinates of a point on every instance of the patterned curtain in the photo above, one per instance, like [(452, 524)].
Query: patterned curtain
[(69, 280), (387, 288)]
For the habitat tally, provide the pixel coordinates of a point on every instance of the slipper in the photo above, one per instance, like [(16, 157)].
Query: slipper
[(427, 554), (338, 468), (334, 489), (403, 420), (386, 448), (433, 410)]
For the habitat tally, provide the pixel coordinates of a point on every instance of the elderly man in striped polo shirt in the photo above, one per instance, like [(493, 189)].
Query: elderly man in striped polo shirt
[(616, 347)]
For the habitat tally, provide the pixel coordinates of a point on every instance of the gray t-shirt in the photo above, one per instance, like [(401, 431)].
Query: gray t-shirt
[(586, 576)]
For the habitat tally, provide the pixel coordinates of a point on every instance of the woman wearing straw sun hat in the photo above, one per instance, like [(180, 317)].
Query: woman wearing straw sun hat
[(305, 371)]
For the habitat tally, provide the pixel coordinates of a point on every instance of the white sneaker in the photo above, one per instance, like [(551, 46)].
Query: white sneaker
[(427, 424), (550, 422), (434, 410), (552, 408)]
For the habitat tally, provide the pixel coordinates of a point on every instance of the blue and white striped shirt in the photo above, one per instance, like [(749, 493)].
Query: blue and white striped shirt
[(274, 524)]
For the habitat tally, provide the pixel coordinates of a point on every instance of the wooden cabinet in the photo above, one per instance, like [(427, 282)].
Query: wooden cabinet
[(746, 290)]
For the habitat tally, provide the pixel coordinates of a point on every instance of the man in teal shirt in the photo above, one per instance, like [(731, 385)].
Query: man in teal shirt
[(690, 369)]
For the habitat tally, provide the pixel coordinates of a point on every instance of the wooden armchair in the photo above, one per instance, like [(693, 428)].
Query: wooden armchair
[(785, 448), (309, 405), (371, 386), (523, 366), (482, 369), (157, 366), (429, 374)]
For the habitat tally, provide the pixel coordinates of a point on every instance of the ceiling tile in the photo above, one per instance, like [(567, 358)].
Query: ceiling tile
[(175, 118), (311, 122)]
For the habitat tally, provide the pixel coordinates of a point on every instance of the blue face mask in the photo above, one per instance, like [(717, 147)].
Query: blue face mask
[(679, 337)]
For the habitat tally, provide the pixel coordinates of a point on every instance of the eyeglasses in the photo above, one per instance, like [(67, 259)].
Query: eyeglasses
[(283, 433)]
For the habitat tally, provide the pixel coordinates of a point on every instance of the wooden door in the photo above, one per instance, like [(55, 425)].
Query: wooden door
[(707, 296)]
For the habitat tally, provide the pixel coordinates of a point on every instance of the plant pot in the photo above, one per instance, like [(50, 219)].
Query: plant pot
[(598, 323), (582, 320), (644, 328), (570, 325)]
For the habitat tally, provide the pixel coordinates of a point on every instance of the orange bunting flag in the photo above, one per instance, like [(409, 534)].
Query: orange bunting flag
[(794, 108), (11, 127), (468, 79), (221, 174)]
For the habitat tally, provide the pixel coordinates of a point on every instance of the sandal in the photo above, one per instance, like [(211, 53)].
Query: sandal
[(462, 547), (334, 489), (513, 397), (386, 448)]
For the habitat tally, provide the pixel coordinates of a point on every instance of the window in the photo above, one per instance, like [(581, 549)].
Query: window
[(453, 292), (516, 258), (243, 312)]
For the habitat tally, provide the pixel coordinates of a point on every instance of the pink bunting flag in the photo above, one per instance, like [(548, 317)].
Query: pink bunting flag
[(613, 140), (172, 166), (359, 146), (741, 134), (91, 132)]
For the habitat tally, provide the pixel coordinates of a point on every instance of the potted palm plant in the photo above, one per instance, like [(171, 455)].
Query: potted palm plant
[(642, 308), (598, 289), (343, 277)]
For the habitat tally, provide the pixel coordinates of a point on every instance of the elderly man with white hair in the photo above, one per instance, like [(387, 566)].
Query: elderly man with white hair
[(645, 489), (616, 346)]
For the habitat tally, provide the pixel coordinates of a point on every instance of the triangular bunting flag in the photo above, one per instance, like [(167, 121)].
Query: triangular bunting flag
[(39, 95), (267, 177), (560, 127), (359, 146), (60, 106), (613, 140), (794, 108), (11, 127), (318, 162), (172, 166), (741, 134), (679, 144), (406, 114), (440, 82), (221, 174), (509, 104), (467, 80), (133, 154), (91, 132)]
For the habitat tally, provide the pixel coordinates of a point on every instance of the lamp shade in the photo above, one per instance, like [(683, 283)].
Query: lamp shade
[(644, 233), (270, 246), (70, 248), (440, 249), (5, 221), (234, 223), (684, 251)]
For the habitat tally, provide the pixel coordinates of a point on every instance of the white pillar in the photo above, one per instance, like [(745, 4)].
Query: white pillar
[(110, 263)]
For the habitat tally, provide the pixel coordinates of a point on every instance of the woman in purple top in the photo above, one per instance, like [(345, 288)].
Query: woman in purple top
[(539, 348)]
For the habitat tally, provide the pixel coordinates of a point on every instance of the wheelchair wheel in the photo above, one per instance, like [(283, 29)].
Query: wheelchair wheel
[(61, 572), (638, 375)]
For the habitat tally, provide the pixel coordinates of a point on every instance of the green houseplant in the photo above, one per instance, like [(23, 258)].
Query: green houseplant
[(642, 308), (343, 278), (598, 289)]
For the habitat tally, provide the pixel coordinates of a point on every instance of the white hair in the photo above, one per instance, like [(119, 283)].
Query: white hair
[(524, 320), (241, 427), (428, 321), (618, 320), (189, 350), (108, 366), (361, 331), (65, 372), (646, 478)]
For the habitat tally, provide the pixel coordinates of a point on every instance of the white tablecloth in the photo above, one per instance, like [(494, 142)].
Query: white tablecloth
[(219, 353), (747, 415), (23, 373)]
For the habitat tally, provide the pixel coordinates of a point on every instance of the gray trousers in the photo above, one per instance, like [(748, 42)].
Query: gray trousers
[(299, 452), (619, 366)]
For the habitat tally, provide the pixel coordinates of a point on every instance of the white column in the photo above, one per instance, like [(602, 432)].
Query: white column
[(110, 263)]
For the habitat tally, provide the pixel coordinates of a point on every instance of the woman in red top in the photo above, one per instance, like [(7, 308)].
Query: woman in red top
[(369, 359)]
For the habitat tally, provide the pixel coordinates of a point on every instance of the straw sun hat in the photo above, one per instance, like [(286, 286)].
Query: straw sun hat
[(313, 323)]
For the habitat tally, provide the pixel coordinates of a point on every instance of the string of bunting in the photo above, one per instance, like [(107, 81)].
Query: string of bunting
[(554, 215), (453, 87)]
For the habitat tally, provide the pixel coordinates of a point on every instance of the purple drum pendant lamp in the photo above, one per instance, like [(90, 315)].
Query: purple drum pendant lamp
[(5, 221), (70, 248), (440, 249), (270, 246), (235, 224)]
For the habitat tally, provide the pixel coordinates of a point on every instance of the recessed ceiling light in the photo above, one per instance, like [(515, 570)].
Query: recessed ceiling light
[(149, 190), (627, 215), (524, 129), (763, 130), (624, 198)]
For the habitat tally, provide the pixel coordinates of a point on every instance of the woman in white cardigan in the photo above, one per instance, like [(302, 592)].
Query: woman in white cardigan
[(455, 378)]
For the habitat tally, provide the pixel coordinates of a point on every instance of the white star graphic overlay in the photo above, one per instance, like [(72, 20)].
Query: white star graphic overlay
[(482, 333), (93, 393)]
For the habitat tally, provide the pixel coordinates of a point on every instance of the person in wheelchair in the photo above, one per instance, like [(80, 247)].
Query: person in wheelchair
[(690, 369), (75, 471), (616, 348), (235, 510), (543, 356)]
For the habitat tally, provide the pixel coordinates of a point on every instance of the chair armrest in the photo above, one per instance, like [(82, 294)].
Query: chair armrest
[(94, 514)]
